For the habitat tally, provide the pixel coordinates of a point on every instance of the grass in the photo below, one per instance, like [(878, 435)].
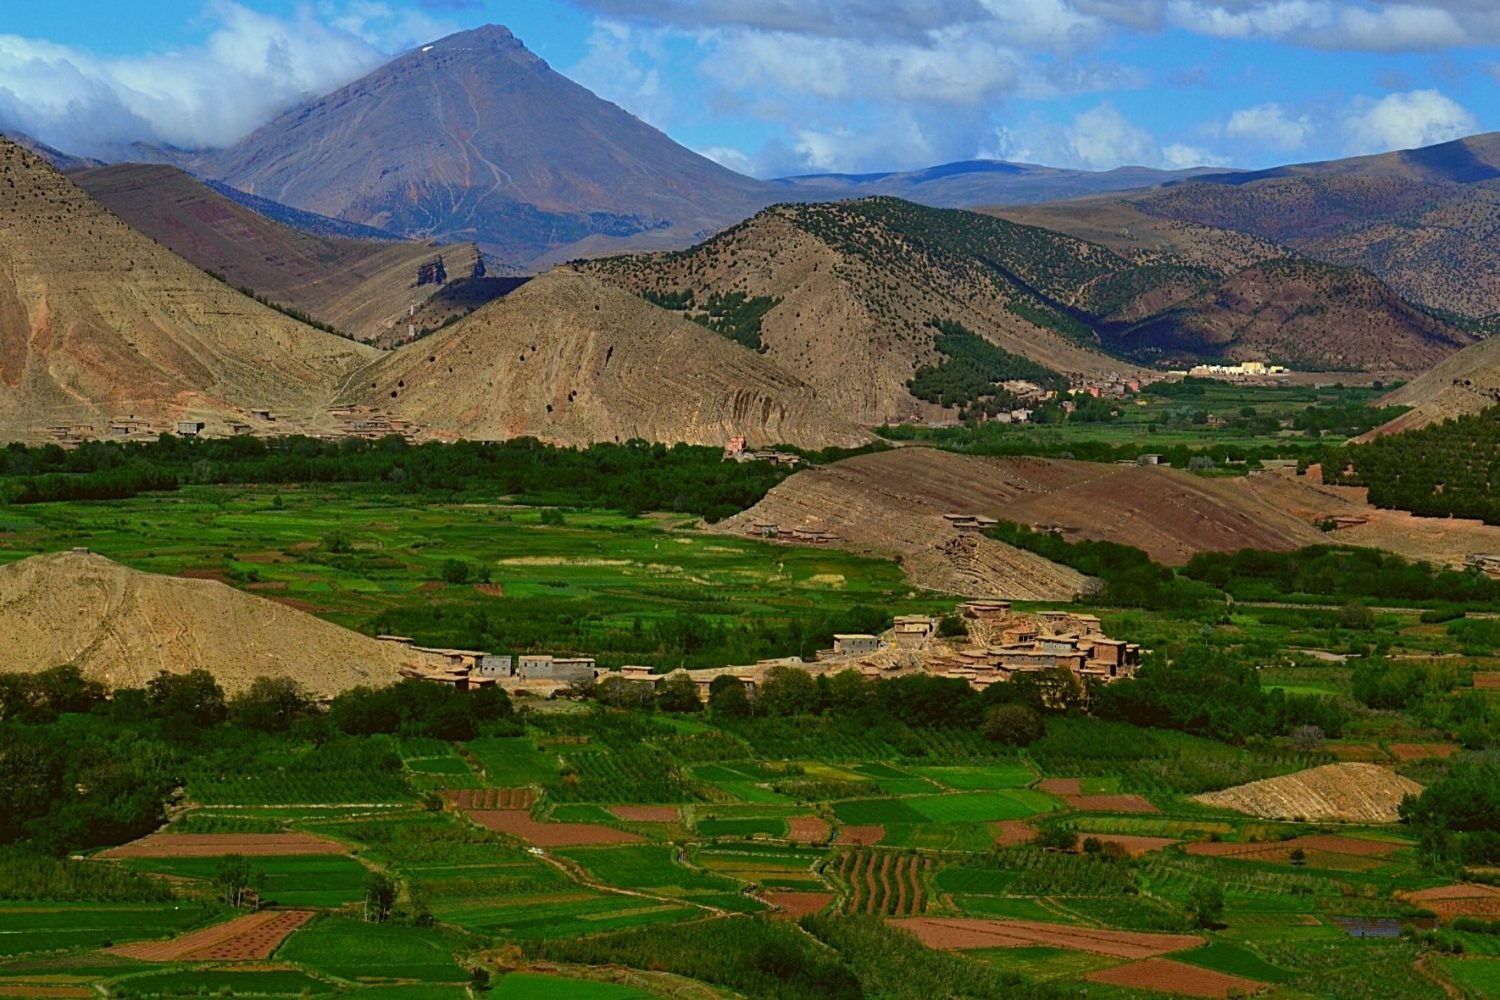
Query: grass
[(530, 986), (981, 807), (594, 582), (27, 928), (1482, 975), (513, 761), (320, 880), (203, 982), (1002, 774), (352, 949), (1235, 960)]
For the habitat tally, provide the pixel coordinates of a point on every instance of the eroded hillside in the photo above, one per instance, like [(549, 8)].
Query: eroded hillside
[(569, 360), (99, 324)]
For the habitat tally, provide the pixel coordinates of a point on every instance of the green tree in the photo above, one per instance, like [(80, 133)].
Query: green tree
[(455, 571), (234, 879), (678, 693), (1205, 904), (727, 698), (788, 691), (1012, 725), (269, 705), (380, 897)]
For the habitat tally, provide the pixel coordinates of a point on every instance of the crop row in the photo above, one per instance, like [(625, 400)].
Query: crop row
[(884, 883)]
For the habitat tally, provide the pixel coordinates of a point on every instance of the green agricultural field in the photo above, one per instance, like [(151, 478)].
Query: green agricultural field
[(746, 827), (653, 869), (514, 761), (351, 949), (319, 880), (225, 982), (1003, 774), (1236, 961), (617, 587), (529, 986), (981, 807), (28, 928)]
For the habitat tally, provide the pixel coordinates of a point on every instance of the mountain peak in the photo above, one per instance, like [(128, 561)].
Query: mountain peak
[(483, 42)]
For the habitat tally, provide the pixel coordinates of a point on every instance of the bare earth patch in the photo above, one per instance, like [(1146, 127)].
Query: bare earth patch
[(210, 845), (1135, 845), (1010, 832), (861, 836), (1110, 803), (518, 823), (491, 798), (795, 905), (646, 814), (1338, 793), (808, 829), (1422, 751), (1166, 976), (955, 934), (1487, 681), (1060, 786), (1463, 900), (251, 937)]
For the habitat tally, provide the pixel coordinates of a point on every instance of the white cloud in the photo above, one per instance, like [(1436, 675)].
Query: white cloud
[(1100, 138), (1269, 126), (1405, 121), (623, 65), (726, 156), (251, 66)]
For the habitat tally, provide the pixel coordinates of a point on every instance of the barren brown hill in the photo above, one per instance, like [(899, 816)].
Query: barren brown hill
[(1113, 221), (855, 285), (98, 323), (894, 502), (123, 627), (570, 360), (1302, 314), (1432, 241), (1461, 383), (1333, 793), (361, 288)]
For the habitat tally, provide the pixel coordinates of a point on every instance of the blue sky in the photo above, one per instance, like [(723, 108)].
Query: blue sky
[(775, 87)]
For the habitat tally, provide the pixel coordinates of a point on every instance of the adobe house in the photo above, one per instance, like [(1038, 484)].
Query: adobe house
[(190, 428), (491, 665), (536, 666), (855, 644), (912, 629)]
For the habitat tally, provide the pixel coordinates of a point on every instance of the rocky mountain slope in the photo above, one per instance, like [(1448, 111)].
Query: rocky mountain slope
[(1461, 383), (123, 627), (98, 323), (361, 288), (570, 360), (855, 285), (474, 138), (847, 294), (1425, 221), (1305, 315)]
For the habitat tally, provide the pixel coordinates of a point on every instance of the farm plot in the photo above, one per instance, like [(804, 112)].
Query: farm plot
[(645, 814), (261, 980), (211, 845), (297, 880), (1163, 975), (1001, 774), (290, 786), (28, 928), (893, 780), (518, 823), (885, 883), (1095, 795), (980, 807), (509, 761), (794, 904), (1335, 853), (492, 798), (559, 915), (253, 936), (353, 949), (746, 782), (777, 866), (808, 830), (533, 986), (860, 836), (747, 826), (1463, 900), (957, 934), (654, 869)]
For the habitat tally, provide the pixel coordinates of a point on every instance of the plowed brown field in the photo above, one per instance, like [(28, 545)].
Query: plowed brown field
[(491, 798), (960, 934), (211, 845), (795, 905), (1134, 845), (861, 836), (1166, 976), (518, 823), (1421, 751), (646, 814), (1010, 832), (1487, 681), (251, 937), (1464, 900), (808, 829)]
